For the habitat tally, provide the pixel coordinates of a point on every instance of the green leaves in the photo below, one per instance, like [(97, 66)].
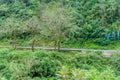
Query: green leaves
[(67, 73), (56, 65), (98, 14), (55, 22)]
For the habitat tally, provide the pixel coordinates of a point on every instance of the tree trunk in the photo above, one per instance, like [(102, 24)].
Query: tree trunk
[(55, 45), (33, 45), (14, 40), (59, 45), (103, 17), (14, 44)]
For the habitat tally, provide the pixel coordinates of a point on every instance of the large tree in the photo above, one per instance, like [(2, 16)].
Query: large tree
[(34, 28), (55, 23), (13, 27)]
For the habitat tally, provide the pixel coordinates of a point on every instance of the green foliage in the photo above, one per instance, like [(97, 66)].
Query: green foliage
[(113, 35), (115, 62), (46, 64), (67, 73), (89, 61), (27, 65), (94, 17), (55, 23), (62, 19), (19, 8), (67, 23), (49, 65)]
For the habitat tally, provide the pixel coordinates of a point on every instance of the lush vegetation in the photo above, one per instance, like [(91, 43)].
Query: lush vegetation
[(93, 24), (51, 65), (61, 23)]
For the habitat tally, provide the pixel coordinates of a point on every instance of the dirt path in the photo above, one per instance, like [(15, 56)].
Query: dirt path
[(104, 52)]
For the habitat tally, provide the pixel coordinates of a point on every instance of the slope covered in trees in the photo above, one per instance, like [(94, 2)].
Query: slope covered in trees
[(60, 21)]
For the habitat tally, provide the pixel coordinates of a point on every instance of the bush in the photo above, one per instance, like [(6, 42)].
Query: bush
[(27, 65), (44, 68), (67, 73), (89, 61), (101, 41), (4, 52), (114, 61), (3, 62), (46, 64)]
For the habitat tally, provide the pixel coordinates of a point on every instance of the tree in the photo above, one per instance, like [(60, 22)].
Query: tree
[(34, 28), (13, 27), (99, 14), (54, 22)]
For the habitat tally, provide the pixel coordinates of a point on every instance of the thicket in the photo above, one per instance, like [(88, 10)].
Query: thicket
[(52, 65)]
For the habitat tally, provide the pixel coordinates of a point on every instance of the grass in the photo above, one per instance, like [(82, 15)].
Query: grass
[(89, 44)]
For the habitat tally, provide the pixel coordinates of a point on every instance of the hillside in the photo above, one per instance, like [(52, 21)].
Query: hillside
[(59, 39), (66, 23)]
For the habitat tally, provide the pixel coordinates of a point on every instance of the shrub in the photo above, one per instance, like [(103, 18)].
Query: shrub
[(67, 73), (27, 65), (101, 41), (46, 64), (114, 61), (4, 52), (89, 61)]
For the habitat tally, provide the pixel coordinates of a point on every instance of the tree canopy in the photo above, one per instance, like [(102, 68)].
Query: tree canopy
[(91, 19)]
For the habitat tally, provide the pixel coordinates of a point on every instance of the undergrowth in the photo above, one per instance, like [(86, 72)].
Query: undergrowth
[(53, 65)]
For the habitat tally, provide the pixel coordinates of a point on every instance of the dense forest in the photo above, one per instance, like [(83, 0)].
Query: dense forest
[(64, 22), (78, 24)]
